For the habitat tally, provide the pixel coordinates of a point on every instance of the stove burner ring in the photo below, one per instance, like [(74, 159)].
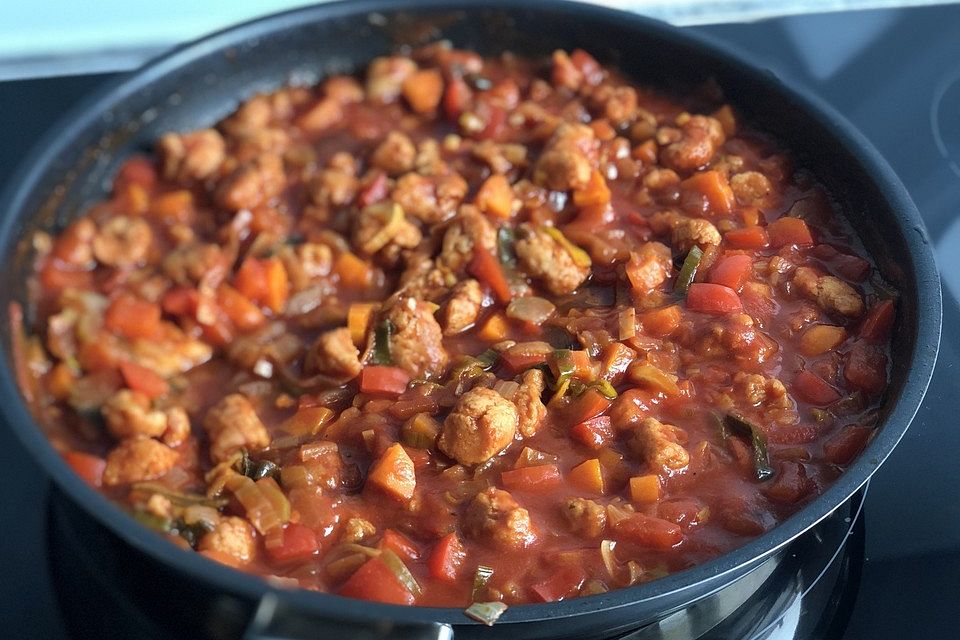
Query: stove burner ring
[(945, 119)]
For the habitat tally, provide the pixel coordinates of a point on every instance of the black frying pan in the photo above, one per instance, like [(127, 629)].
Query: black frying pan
[(198, 84)]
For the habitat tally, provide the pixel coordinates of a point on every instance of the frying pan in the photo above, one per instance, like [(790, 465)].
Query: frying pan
[(197, 84)]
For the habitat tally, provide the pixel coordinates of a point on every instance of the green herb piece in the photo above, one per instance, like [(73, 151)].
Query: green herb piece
[(740, 426), (381, 343), (152, 521), (485, 612), (688, 271), (179, 498)]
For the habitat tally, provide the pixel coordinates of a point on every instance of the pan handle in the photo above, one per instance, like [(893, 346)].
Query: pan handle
[(276, 620)]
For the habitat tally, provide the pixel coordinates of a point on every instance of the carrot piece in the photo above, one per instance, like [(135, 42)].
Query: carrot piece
[(355, 273), (590, 404), (747, 238), (788, 231), (518, 361), (584, 367), (307, 421), (245, 315), (713, 186), (603, 130), (647, 531), (487, 268), (278, 285), (712, 298), (133, 317), (541, 478), (173, 207), (843, 447), (251, 279), (298, 543), (55, 277), (180, 301), (374, 580), (359, 316), (98, 355), (731, 271), (88, 467), (814, 389), (393, 473), (821, 338), (594, 433), (60, 381), (382, 380), (399, 544), (423, 90), (494, 329), (878, 324), (587, 476), (143, 380), (596, 192), (662, 322), (495, 197), (645, 489), (446, 558)]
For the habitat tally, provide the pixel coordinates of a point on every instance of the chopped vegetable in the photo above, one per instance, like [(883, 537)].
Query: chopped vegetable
[(821, 338), (731, 270), (486, 612), (814, 389), (714, 188), (494, 329), (395, 564), (878, 324), (594, 433), (388, 381), (420, 431), (539, 479), (596, 192), (480, 580), (531, 309), (747, 238), (381, 344), (374, 580), (88, 467), (688, 271), (587, 476), (393, 473), (741, 427), (495, 197), (359, 317), (143, 380), (647, 531), (645, 489), (505, 247), (296, 543), (785, 231), (446, 558), (580, 257), (712, 298), (486, 268)]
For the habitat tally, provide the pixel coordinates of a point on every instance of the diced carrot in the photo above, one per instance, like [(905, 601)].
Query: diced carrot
[(383, 380), (712, 298), (645, 489), (180, 301), (518, 360), (788, 230), (494, 329), (603, 130), (647, 531), (750, 217), (878, 324), (587, 476), (423, 90), (244, 314), (446, 558), (89, 467), (595, 193), (661, 322), (537, 479), (307, 421), (278, 285), (456, 98), (821, 338), (843, 447), (487, 269), (399, 544), (713, 186), (727, 120), (98, 355), (495, 197), (594, 433), (645, 152), (590, 404), (144, 380), (393, 473), (297, 543), (173, 207), (60, 381), (747, 238), (731, 271), (359, 316), (375, 581), (584, 367), (321, 115), (814, 389), (133, 317), (866, 367), (408, 407), (355, 273)]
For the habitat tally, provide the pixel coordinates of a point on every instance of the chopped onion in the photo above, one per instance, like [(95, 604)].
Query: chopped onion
[(485, 612), (531, 309), (635, 573), (395, 564), (480, 580), (617, 514), (263, 368), (342, 567), (506, 388), (628, 323), (609, 559)]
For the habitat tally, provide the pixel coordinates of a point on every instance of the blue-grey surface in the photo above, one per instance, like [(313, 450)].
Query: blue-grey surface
[(896, 75)]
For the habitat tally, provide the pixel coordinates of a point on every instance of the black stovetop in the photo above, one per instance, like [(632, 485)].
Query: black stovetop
[(895, 74)]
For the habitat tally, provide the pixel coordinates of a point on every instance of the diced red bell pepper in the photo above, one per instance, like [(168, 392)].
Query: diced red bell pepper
[(789, 231), (383, 380), (133, 317), (590, 404), (87, 466), (866, 367), (731, 271), (843, 447), (593, 433), (539, 479), (375, 581), (144, 380), (399, 544), (791, 483), (489, 271), (563, 583), (747, 238), (647, 531), (446, 558), (298, 543), (712, 298), (456, 98), (878, 324), (814, 389)]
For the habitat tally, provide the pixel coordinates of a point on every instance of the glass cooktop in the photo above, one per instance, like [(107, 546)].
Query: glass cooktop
[(896, 75)]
